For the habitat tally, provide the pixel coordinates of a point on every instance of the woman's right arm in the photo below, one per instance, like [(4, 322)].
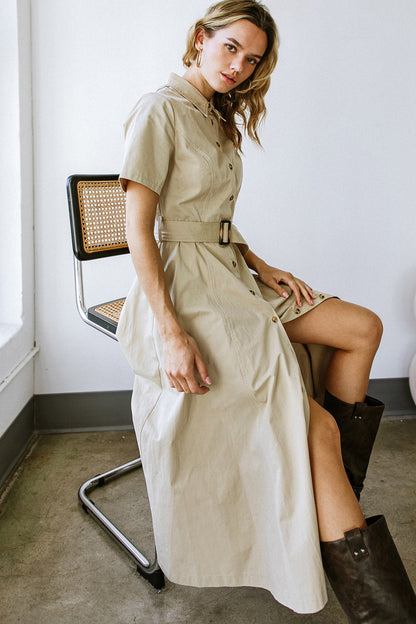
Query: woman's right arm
[(181, 356)]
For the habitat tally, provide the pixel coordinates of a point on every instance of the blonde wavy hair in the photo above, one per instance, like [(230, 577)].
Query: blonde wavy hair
[(243, 106)]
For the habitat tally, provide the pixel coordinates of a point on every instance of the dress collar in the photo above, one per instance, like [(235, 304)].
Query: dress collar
[(191, 93)]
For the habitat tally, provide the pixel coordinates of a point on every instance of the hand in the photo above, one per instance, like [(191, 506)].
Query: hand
[(274, 277), (182, 360)]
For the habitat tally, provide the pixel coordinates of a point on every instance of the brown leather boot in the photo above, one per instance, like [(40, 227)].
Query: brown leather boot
[(368, 576), (358, 425)]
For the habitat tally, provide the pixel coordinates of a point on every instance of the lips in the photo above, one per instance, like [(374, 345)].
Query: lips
[(228, 79)]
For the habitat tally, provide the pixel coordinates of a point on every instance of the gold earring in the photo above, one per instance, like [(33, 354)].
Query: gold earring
[(198, 58)]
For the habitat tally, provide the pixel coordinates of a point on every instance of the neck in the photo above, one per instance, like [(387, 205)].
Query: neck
[(195, 78)]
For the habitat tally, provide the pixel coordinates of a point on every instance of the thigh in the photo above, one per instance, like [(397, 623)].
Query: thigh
[(334, 323)]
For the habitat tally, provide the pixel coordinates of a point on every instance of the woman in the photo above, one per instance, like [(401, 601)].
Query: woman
[(244, 469)]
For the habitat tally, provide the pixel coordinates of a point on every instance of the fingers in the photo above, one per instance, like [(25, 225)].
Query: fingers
[(301, 289), (298, 287), (179, 384), (308, 293), (202, 369), (182, 364), (187, 384), (275, 277), (281, 291), (292, 282)]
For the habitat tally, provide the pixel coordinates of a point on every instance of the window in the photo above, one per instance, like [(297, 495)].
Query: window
[(10, 201)]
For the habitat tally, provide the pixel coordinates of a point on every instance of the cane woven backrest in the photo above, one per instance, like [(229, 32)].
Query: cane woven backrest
[(98, 223), (102, 209)]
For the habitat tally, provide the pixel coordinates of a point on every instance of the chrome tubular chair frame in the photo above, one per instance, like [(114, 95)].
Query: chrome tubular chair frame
[(150, 571), (79, 295), (110, 244)]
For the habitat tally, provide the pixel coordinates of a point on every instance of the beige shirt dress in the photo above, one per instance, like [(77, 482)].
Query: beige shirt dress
[(227, 473)]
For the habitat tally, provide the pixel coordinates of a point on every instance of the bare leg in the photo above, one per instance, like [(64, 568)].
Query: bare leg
[(337, 508), (355, 332)]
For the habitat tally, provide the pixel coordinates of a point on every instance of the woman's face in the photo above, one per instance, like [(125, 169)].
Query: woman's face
[(229, 56)]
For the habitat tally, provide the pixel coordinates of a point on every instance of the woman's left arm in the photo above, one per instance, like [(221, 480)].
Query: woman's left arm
[(275, 277)]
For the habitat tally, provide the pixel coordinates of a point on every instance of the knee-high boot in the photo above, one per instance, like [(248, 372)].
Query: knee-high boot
[(358, 424), (368, 576)]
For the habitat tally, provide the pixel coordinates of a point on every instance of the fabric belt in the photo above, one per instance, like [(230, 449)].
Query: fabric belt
[(221, 232)]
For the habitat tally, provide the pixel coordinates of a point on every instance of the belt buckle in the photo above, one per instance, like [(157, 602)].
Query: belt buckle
[(225, 227)]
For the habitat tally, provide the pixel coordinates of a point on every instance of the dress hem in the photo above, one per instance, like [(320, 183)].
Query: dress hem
[(247, 582)]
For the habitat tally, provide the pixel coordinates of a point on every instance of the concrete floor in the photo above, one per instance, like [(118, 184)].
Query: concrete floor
[(58, 566)]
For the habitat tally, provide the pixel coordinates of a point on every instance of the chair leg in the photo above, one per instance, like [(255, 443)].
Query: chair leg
[(149, 570)]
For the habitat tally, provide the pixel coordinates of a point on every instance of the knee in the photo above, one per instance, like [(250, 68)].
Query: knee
[(372, 330), (324, 432), (366, 331)]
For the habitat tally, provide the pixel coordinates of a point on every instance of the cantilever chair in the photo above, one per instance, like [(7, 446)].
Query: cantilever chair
[(98, 228)]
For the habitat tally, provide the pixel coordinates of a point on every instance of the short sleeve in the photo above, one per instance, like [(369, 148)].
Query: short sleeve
[(149, 141)]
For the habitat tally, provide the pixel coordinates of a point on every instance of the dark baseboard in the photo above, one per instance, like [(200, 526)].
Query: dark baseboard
[(395, 394), (83, 411), (106, 411), (15, 440)]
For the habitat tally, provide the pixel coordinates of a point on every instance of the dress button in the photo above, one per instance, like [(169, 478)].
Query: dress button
[(321, 296), (234, 263), (274, 319), (231, 197), (252, 292), (230, 165), (297, 311), (217, 144)]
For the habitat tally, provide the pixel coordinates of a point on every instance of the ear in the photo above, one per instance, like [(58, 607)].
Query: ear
[(199, 39)]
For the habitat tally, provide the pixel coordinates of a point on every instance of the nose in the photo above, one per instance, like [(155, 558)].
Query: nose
[(237, 64)]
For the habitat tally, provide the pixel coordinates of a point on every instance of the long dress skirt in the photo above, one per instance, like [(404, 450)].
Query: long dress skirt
[(228, 473)]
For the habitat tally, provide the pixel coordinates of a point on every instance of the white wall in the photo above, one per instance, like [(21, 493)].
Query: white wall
[(329, 198)]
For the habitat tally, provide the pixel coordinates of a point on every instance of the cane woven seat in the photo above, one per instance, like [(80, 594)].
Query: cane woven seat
[(107, 314)]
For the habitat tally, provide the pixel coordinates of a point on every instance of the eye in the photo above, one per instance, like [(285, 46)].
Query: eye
[(252, 61), (230, 47)]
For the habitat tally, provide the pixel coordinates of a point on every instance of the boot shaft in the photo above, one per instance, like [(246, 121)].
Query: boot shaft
[(358, 424), (368, 577)]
